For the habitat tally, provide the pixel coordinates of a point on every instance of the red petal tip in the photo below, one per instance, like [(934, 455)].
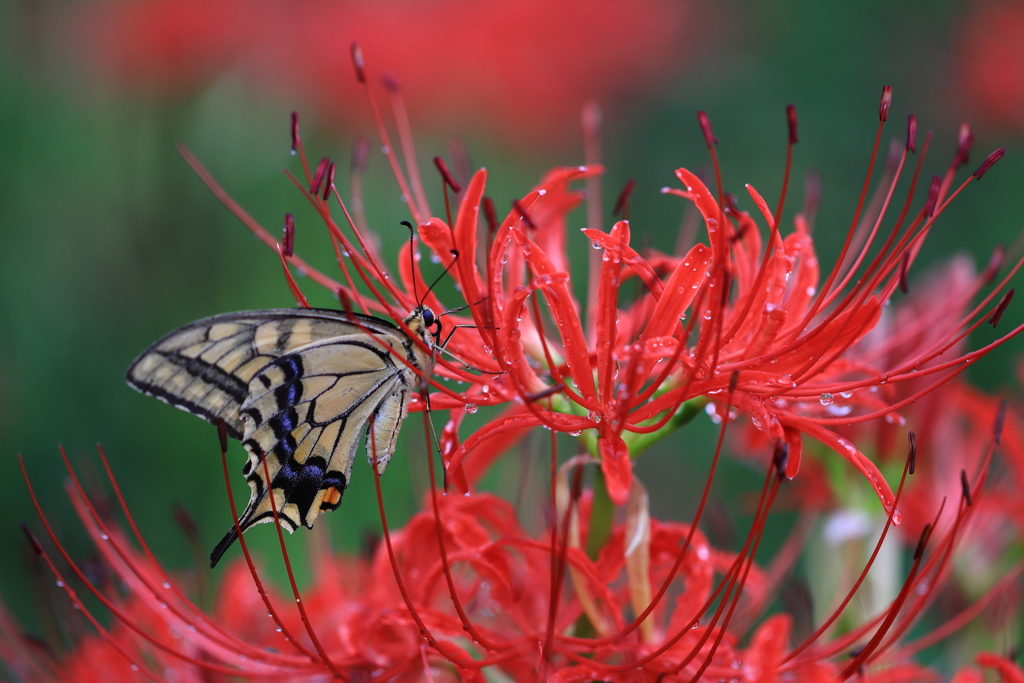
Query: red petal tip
[(791, 122), (883, 108), (912, 133), (989, 163), (358, 63), (705, 128)]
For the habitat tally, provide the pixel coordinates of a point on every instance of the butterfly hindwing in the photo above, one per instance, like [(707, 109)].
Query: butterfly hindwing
[(308, 410), (299, 385)]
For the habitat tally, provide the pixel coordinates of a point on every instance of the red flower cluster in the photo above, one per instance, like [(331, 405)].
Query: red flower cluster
[(528, 64), (990, 63), (740, 325)]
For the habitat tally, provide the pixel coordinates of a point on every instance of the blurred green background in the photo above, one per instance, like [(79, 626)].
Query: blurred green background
[(108, 240)]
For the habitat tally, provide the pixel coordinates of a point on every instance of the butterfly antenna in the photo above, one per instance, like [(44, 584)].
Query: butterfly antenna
[(412, 262), (455, 257)]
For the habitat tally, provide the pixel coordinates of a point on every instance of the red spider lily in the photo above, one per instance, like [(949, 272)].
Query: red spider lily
[(472, 592), (528, 64), (737, 313), (730, 311)]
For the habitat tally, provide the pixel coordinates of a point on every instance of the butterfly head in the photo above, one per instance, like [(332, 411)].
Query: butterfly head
[(425, 325)]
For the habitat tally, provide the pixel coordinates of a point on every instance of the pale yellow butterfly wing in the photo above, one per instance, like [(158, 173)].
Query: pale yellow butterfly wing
[(297, 384)]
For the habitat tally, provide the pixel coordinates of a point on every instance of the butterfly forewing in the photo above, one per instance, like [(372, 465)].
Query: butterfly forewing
[(299, 385)]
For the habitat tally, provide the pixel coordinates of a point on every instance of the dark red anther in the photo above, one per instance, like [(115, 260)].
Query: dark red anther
[(912, 438), (490, 215), (32, 540), (360, 154), (780, 458), (184, 520), (318, 176), (442, 168), (295, 131), (997, 426), (964, 142), (904, 267), (883, 108), (911, 133), (925, 533), (965, 487), (732, 203), (994, 320), (933, 196), (791, 122), (622, 203), (734, 379), (222, 435), (544, 393), (517, 205), (328, 181), (989, 162), (357, 62), (705, 127), (390, 83), (288, 239), (995, 262)]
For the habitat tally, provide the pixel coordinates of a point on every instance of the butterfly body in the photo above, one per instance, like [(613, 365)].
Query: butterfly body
[(298, 386)]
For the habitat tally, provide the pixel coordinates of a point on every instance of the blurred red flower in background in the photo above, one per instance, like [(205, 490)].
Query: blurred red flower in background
[(518, 66), (990, 63)]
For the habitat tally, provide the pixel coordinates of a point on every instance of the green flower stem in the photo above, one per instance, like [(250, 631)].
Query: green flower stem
[(602, 510)]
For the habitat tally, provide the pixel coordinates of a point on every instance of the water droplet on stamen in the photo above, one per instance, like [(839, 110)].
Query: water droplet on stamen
[(471, 408), (826, 399)]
